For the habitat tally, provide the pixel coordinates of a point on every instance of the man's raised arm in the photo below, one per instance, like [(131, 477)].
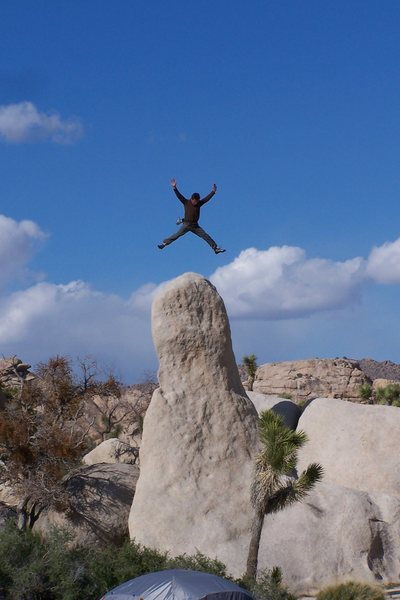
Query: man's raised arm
[(210, 195), (177, 192)]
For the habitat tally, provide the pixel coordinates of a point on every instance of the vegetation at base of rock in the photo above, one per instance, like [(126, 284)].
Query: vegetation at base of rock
[(198, 562), (366, 391), (250, 366), (351, 590), (286, 395), (32, 568), (50, 422), (275, 484), (9, 392), (267, 586), (390, 394)]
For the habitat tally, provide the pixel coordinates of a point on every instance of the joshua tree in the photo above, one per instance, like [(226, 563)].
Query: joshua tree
[(250, 365), (275, 483)]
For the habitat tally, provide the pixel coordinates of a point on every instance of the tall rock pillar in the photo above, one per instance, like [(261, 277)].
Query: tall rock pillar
[(200, 433)]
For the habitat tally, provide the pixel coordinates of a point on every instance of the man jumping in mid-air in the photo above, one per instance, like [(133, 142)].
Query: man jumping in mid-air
[(190, 222)]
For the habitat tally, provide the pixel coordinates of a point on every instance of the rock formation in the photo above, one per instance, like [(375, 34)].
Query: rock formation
[(286, 408), (382, 383), (13, 373), (304, 380), (335, 534), (199, 444), (384, 369), (356, 444), (100, 498), (200, 432), (349, 526), (111, 451)]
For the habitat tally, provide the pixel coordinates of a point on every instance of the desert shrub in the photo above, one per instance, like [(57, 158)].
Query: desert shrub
[(286, 395), (366, 391), (268, 585), (390, 394), (126, 562), (22, 572), (10, 393), (198, 562), (351, 591), (32, 568)]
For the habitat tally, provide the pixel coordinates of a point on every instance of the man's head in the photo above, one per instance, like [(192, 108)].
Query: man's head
[(195, 198)]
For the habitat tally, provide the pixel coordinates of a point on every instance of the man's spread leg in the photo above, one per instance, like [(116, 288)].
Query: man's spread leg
[(181, 231), (207, 238)]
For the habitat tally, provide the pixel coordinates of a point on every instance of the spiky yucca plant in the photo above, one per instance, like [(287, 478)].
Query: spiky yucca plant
[(275, 484)]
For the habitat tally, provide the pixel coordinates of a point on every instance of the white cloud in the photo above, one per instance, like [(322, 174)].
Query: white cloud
[(282, 282), (268, 287), (75, 320), (383, 265), (23, 122), (18, 240), (143, 297)]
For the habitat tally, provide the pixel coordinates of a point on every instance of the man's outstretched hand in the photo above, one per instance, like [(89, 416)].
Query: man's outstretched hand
[(173, 183), (214, 187)]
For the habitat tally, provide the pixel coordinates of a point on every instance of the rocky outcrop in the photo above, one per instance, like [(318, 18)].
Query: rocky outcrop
[(13, 373), (200, 432), (289, 411), (349, 526), (100, 498), (382, 383), (200, 441), (335, 534), (304, 380), (384, 369), (356, 444), (112, 451)]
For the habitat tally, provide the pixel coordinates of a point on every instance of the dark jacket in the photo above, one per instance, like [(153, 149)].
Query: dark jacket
[(192, 211)]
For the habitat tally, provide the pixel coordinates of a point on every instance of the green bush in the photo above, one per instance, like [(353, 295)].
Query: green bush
[(198, 562), (366, 391), (390, 394), (9, 392), (286, 395), (351, 591), (268, 586), (32, 568)]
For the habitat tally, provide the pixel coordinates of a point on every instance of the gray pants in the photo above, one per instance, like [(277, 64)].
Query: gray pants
[(194, 228)]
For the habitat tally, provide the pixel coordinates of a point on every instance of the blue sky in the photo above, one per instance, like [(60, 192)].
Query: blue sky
[(292, 108)]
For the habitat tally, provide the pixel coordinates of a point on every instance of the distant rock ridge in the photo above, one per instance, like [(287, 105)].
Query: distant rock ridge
[(385, 369), (304, 380)]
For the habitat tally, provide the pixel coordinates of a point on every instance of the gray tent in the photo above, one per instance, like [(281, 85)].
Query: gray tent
[(178, 584)]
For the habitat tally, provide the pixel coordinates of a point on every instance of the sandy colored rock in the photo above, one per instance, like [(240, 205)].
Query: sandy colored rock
[(200, 433), (286, 408), (382, 383), (7, 495), (14, 372), (334, 535), (100, 500), (304, 380), (356, 444), (112, 451)]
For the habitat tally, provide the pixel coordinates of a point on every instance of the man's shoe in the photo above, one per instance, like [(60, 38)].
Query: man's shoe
[(218, 250), (161, 246)]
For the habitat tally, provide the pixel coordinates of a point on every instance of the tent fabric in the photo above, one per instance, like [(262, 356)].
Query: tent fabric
[(178, 584)]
